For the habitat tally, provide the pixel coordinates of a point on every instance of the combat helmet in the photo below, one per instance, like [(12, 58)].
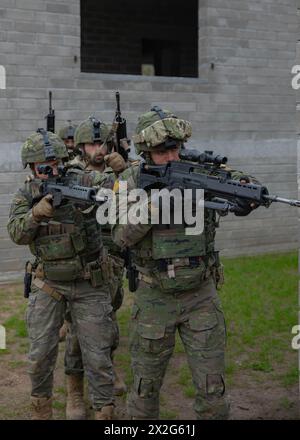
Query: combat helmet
[(92, 130), (159, 127), (42, 146), (67, 131)]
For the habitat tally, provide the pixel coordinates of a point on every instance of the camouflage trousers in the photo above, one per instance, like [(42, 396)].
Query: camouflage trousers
[(73, 356), (198, 317), (92, 319)]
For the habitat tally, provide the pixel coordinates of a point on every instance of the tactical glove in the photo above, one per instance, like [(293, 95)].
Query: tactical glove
[(116, 162), (243, 207), (43, 209)]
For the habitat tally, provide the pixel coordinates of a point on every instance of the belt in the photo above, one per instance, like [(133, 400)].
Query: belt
[(47, 289), (147, 279)]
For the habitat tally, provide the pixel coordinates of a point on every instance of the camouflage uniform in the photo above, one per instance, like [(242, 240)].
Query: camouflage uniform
[(188, 302), (73, 357), (70, 266)]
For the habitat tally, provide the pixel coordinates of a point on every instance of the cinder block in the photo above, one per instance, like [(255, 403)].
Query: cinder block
[(58, 8)]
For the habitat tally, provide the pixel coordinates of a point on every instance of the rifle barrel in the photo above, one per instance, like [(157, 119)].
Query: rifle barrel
[(274, 198)]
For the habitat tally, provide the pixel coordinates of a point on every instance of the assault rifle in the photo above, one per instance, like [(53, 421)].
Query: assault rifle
[(121, 131), (206, 172), (51, 116), (62, 189)]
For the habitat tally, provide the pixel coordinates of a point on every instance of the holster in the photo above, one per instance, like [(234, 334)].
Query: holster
[(27, 279), (132, 276)]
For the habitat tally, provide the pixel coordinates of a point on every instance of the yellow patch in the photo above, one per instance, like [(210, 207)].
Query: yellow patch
[(116, 186)]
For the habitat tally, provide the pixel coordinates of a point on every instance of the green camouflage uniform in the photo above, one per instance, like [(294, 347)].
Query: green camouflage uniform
[(188, 303), (73, 357), (70, 266)]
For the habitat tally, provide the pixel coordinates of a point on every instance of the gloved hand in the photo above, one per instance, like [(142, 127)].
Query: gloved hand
[(43, 209), (244, 207), (116, 162)]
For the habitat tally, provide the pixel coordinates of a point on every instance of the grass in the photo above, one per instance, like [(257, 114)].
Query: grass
[(58, 405), (291, 377), (259, 301), (18, 325), (260, 304), (286, 403)]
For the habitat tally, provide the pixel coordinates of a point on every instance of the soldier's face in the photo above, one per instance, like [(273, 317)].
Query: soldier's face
[(163, 156), (95, 153), (69, 143), (52, 163)]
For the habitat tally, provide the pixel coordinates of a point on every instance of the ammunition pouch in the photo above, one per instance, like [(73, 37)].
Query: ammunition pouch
[(63, 270), (65, 253), (59, 247)]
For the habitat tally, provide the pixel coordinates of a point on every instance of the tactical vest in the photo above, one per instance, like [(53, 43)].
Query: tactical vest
[(174, 260), (69, 246)]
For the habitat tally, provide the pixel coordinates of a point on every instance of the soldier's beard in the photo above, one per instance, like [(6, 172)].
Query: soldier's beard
[(96, 160)]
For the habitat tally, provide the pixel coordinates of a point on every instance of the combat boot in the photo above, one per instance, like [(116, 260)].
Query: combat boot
[(120, 387), (41, 408), (105, 413), (75, 408)]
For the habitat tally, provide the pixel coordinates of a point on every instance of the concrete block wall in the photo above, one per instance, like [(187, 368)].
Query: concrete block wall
[(242, 104)]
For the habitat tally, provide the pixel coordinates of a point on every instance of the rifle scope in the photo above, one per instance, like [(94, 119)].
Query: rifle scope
[(206, 157)]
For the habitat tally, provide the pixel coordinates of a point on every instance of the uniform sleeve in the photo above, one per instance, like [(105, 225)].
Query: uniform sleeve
[(238, 175), (21, 226), (127, 235)]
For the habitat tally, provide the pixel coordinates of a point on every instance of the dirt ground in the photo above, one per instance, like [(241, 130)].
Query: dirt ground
[(249, 400), (256, 396)]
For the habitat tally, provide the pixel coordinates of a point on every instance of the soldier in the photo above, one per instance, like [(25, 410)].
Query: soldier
[(66, 133), (176, 287), (70, 266), (93, 149)]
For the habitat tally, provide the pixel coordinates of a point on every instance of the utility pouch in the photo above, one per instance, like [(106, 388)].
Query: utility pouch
[(78, 241), (55, 247), (185, 278), (96, 277), (63, 270)]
